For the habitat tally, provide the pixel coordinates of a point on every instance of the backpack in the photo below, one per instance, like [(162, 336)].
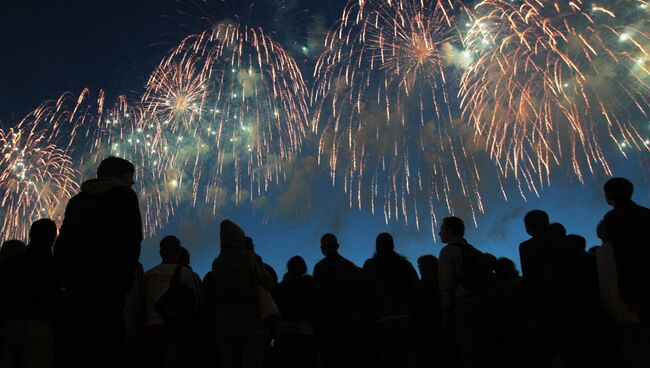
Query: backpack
[(177, 305), (475, 269)]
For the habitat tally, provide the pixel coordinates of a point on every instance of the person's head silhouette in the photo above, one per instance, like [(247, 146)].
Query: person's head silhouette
[(556, 230), (536, 222), (116, 167), (618, 191), (297, 266), (329, 245), (183, 257), (505, 269), (170, 247), (428, 266), (451, 227), (384, 244), (42, 233)]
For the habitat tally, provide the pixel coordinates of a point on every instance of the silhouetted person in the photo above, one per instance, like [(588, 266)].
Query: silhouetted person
[(184, 260), (627, 227), (533, 256), (575, 303), (338, 323), (430, 342), (194, 334), (97, 254), (547, 307), (556, 231), (531, 253), (506, 318), (166, 344), (390, 284), (628, 343), (238, 281), (295, 345), (268, 350), (9, 255), (27, 337), (460, 302)]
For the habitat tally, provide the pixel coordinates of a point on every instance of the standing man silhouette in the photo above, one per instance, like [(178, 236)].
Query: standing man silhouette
[(97, 254)]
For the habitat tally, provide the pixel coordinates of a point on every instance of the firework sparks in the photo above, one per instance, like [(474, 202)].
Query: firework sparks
[(235, 102), (551, 82), (36, 179), (384, 113)]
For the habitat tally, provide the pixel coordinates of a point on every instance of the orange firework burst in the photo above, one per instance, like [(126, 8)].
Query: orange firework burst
[(36, 179), (384, 114), (552, 81), (232, 104)]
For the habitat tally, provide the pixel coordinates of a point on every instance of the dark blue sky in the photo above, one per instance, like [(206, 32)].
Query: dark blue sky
[(50, 47)]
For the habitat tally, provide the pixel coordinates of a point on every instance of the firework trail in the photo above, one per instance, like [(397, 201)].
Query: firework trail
[(552, 82), (384, 112), (232, 105), (36, 179)]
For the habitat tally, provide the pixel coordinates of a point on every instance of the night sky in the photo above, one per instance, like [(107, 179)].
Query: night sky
[(50, 47)]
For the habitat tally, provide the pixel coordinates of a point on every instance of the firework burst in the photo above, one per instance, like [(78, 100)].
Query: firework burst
[(232, 103), (384, 113), (87, 130), (36, 179), (552, 82)]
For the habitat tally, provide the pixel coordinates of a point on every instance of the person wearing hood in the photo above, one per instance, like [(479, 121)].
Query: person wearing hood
[(237, 280), (97, 254)]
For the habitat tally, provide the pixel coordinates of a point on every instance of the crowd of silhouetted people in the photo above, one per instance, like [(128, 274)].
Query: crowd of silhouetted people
[(78, 297)]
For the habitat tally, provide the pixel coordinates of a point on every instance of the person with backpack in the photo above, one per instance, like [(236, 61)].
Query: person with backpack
[(463, 277), (164, 340)]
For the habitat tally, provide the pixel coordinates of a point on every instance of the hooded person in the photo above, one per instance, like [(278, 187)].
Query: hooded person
[(237, 278), (97, 254)]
